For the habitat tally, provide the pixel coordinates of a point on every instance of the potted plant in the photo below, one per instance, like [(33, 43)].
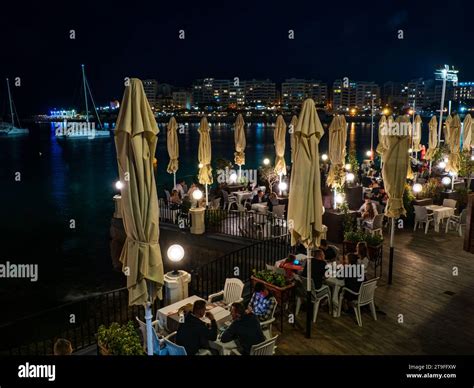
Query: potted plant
[(374, 245), (351, 238), (274, 282), (117, 339)]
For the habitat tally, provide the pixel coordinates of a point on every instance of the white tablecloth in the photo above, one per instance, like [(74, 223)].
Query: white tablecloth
[(440, 213), (162, 314), (336, 285), (243, 195), (260, 207)]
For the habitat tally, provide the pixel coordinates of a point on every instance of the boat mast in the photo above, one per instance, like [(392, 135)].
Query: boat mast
[(85, 92), (11, 102)]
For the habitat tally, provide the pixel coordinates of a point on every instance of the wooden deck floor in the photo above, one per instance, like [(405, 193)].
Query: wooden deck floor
[(437, 307)]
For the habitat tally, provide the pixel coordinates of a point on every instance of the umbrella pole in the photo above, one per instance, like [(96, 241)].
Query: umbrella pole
[(149, 328), (174, 180), (240, 173), (390, 265), (207, 202), (309, 305), (280, 175)]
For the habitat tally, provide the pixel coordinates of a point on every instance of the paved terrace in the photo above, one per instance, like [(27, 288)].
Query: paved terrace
[(437, 307)]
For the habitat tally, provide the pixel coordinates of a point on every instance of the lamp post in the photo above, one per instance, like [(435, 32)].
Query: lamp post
[(175, 254), (444, 74), (417, 188), (372, 130), (197, 195)]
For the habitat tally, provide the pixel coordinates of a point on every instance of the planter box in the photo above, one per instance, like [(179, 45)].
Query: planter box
[(281, 294)]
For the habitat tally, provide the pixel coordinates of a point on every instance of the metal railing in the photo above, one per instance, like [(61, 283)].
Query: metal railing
[(210, 278), (254, 225), (76, 321)]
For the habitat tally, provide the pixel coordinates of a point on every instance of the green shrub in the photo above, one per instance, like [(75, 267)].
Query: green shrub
[(122, 340), (270, 277)]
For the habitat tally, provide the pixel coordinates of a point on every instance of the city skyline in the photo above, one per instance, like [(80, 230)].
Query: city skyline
[(361, 41)]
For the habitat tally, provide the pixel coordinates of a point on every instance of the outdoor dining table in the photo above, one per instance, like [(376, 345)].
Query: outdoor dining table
[(440, 213), (336, 285), (260, 207), (243, 195), (169, 316)]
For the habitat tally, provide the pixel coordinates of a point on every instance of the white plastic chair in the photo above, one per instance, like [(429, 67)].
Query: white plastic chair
[(215, 203), (231, 293), (279, 211), (366, 296), (142, 327), (266, 326), (316, 297), (422, 217), (457, 221), (449, 203), (265, 348), (168, 196), (375, 226)]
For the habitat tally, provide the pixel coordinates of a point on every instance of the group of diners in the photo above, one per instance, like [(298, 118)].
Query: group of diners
[(326, 257), (180, 193), (245, 330)]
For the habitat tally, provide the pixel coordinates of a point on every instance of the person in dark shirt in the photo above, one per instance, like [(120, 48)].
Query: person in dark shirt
[(353, 282), (245, 329), (330, 253), (259, 198), (318, 269), (194, 334)]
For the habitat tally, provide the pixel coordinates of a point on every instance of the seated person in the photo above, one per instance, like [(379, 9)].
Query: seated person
[(194, 334), (366, 181), (290, 267), (175, 200), (318, 268), (330, 253), (351, 282), (381, 197), (245, 329), (259, 198), (181, 188), (365, 206), (191, 190), (369, 213), (262, 303), (62, 347), (272, 201), (362, 255)]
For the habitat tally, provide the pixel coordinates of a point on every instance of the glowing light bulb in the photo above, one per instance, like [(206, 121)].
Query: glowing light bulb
[(119, 185), (350, 177), (348, 167), (446, 181), (417, 187), (283, 186), (324, 157), (197, 194), (233, 177), (266, 161), (175, 253)]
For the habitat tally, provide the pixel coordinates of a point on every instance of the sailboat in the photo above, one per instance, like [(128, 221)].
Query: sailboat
[(82, 130), (9, 128)]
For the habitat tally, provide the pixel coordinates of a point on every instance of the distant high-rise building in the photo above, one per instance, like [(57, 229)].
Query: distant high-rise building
[(211, 91), (294, 91), (150, 87), (356, 94), (182, 99), (259, 91), (464, 91)]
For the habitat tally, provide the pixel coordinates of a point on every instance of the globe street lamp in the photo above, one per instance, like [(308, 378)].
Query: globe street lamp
[(175, 254)]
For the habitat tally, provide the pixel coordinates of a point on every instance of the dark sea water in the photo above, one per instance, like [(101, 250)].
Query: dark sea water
[(69, 180)]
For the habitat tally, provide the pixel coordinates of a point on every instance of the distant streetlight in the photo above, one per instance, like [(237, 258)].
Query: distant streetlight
[(386, 111), (282, 186), (266, 161), (119, 185), (324, 157), (446, 181), (410, 150), (417, 188), (368, 153), (339, 198)]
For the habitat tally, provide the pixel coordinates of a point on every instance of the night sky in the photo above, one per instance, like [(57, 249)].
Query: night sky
[(224, 39)]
